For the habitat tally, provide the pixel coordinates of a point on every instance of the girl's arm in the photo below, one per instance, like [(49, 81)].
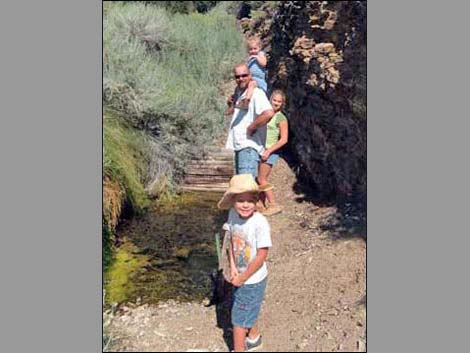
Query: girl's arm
[(283, 138), (253, 266), (262, 60)]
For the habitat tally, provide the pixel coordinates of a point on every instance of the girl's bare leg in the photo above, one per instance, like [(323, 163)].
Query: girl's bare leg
[(264, 170)]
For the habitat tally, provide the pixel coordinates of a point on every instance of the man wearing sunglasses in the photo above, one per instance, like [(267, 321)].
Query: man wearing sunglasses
[(247, 134)]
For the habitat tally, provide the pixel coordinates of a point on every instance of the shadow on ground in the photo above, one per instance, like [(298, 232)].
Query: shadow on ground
[(222, 299), (346, 217)]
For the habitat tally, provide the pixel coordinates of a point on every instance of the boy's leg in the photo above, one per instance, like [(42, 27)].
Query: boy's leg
[(249, 94), (253, 332), (251, 87), (239, 334)]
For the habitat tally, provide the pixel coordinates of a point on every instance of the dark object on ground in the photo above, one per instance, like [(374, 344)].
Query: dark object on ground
[(218, 288)]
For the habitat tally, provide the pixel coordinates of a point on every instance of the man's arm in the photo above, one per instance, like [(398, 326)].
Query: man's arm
[(260, 120), (253, 266)]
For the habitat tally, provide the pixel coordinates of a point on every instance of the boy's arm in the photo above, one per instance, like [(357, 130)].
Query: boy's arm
[(253, 266)]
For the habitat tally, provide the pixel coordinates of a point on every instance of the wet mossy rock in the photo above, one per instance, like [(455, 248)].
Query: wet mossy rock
[(183, 253), (317, 55)]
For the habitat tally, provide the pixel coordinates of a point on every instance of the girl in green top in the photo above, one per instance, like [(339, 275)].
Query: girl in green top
[(276, 137)]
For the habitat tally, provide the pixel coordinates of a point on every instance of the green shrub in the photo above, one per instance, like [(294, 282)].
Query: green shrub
[(163, 72)]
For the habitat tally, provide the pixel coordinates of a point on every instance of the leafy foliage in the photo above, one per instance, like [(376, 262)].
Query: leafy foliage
[(165, 78)]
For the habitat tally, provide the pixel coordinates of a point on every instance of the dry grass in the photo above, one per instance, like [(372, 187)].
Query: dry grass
[(113, 198)]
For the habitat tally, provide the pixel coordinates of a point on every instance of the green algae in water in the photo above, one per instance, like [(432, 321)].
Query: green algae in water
[(118, 284), (176, 239)]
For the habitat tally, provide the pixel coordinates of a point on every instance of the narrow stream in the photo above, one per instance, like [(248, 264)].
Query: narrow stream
[(168, 253)]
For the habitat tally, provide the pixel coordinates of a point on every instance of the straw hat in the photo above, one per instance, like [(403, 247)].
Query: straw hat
[(239, 184)]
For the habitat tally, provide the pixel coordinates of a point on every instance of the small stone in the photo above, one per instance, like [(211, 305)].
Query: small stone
[(159, 333), (301, 345), (206, 301)]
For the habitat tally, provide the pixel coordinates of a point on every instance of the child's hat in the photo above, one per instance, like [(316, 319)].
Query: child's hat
[(238, 185)]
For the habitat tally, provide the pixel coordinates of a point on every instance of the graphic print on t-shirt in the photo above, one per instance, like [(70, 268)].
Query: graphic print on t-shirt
[(241, 249)]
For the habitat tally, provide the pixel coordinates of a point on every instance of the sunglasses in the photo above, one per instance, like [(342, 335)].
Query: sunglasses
[(240, 76)]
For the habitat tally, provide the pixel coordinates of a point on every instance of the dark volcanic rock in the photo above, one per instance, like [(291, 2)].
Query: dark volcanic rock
[(317, 55)]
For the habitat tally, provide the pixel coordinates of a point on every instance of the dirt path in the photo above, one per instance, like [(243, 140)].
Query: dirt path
[(314, 299)]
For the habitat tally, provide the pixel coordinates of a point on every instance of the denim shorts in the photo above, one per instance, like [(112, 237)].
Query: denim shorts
[(246, 161), (247, 301), (273, 157)]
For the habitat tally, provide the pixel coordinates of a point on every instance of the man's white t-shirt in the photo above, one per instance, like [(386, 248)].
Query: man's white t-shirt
[(237, 137), (246, 236)]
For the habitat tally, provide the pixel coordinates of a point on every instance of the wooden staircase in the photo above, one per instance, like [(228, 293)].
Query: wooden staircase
[(212, 172)]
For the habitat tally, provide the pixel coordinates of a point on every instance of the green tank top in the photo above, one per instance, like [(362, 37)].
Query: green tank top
[(272, 133)]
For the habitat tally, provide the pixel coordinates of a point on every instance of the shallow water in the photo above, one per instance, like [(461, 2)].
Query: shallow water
[(168, 253)]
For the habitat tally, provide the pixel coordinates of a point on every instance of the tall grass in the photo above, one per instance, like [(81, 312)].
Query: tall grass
[(123, 159), (124, 163), (163, 72)]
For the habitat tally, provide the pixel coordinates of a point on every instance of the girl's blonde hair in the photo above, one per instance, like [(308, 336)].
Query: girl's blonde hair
[(280, 93), (254, 40)]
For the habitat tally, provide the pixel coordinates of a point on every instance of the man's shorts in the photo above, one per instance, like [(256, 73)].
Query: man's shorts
[(246, 161), (247, 301)]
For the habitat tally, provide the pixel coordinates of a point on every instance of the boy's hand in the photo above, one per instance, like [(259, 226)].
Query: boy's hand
[(238, 281), (233, 273)]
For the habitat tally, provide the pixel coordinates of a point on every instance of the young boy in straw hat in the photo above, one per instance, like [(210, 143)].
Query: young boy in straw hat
[(246, 243)]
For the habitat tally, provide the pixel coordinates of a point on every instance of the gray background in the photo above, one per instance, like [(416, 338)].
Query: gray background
[(417, 263), (50, 189)]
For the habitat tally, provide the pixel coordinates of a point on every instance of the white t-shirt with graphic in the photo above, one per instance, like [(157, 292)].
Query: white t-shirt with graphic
[(246, 236)]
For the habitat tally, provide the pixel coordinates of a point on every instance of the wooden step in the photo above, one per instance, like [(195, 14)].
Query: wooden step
[(215, 170), (210, 162), (191, 178), (220, 187), (211, 172)]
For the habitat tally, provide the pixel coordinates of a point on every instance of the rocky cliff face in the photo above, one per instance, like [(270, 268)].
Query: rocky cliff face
[(317, 55)]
